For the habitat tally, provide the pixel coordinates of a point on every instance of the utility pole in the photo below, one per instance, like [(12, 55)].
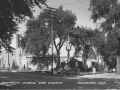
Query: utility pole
[(68, 48), (8, 62), (8, 56), (52, 13), (20, 59), (52, 46)]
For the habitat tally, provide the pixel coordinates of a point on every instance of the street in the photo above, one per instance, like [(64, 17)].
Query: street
[(32, 80)]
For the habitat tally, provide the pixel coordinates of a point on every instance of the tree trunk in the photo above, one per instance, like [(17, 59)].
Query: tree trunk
[(58, 56), (84, 61), (118, 56), (118, 65)]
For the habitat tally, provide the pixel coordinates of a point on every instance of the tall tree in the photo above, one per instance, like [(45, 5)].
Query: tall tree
[(109, 12), (81, 39), (62, 21), (37, 38), (36, 41), (107, 49), (111, 47), (38, 34), (11, 13)]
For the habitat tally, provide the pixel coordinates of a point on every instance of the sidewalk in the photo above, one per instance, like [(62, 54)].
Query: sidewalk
[(103, 75), (16, 71)]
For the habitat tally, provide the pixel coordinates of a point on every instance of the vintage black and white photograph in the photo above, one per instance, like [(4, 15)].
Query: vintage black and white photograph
[(59, 44)]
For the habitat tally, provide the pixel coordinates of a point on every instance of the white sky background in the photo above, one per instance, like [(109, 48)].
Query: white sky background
[(78, 7)]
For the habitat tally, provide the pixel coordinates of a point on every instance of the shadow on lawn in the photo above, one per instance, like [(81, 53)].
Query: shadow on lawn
[(71, 82), (5, 87)]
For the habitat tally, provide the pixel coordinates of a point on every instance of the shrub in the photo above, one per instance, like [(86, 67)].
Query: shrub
[(14, 66)]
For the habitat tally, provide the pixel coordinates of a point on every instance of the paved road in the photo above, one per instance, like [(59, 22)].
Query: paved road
[(30, 80)]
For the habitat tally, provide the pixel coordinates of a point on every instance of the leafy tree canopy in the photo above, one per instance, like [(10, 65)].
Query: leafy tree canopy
[(108, 11), (62, 21), (105, 47), (80, 37), (38, 35), (11, 13)]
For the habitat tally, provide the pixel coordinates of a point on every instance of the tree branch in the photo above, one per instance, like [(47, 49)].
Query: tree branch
[(62, 42), (55, 45)]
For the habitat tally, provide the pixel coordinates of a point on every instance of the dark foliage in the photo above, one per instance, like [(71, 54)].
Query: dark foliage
[(75, 64), (37, 39), (14, 66), (11, 13)]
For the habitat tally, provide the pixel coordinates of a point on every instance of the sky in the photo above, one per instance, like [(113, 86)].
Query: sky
[(78, 7)]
